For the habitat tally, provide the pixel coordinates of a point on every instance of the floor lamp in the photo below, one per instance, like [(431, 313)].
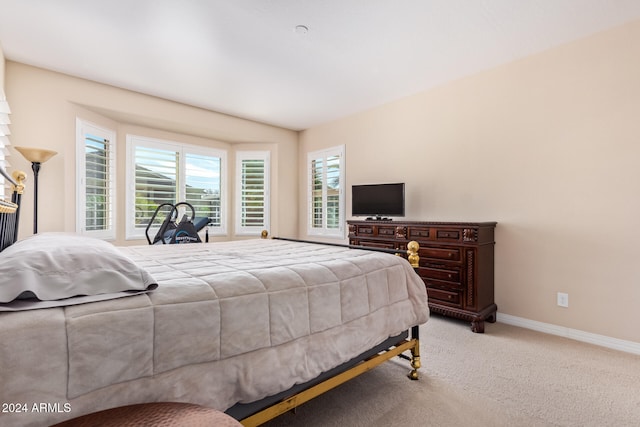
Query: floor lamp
[(36, 156)]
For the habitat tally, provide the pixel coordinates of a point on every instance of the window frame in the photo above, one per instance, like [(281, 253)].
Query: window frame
[(183, 149), (265, 156), (325, 231), (83, 127)]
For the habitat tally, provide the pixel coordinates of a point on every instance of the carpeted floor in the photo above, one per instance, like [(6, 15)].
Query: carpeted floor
[(508, 376)]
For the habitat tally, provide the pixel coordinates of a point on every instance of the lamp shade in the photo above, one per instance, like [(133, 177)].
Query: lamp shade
[(36, 155)]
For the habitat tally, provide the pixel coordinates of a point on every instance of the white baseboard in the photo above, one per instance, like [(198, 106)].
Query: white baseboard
[(601, 340)]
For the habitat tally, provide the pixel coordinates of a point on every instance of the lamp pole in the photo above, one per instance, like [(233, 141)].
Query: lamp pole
[(35, 167), (36, 156)]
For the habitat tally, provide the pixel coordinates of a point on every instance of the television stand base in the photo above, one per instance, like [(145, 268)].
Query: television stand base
[(379, 218)]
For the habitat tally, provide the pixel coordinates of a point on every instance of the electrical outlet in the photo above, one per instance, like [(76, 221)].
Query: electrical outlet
[(563, 299)]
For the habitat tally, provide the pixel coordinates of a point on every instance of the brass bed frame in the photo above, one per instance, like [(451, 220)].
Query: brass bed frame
[(10, 209), (259, 412)]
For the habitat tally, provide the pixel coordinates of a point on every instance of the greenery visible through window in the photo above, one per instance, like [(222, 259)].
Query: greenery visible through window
[(96, 180), (202, 187), (326, 192), (98, 198)]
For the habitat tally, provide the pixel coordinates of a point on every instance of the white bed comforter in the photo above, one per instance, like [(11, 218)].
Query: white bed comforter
[(230, 322)]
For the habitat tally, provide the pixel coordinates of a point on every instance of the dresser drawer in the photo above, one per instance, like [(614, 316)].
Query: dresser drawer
[(441, 284), (448, 234), (439, 295), (418, 233), (438, 234), (450, 254), (364, 230), (386, 231), (452, 275), (373, 244), (385, 245)]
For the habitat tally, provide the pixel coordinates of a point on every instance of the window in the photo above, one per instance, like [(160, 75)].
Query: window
[(169, 172), (252, 194), (95, 166), (326, 192)]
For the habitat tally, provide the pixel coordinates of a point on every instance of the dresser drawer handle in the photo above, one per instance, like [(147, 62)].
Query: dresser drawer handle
[(450, 255), (450, 276)]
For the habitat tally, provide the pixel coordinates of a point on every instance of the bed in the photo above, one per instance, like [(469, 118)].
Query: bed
[(252, 327), (9, 209)]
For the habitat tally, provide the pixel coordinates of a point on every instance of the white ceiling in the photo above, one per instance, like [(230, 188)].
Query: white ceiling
[(245, 58)]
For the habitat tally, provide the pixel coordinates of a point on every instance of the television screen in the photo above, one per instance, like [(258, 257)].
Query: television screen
[(377, 200)]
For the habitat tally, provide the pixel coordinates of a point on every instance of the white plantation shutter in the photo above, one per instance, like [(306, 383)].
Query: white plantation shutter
[(252, 195), (317, 193), (4, 164), (326, 192), (156, 181), (96, 180), (98, 187), (333, 187), (169, 172), (4, 142)]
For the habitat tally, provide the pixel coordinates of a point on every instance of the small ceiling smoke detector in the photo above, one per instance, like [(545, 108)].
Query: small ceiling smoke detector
[(301, 29)]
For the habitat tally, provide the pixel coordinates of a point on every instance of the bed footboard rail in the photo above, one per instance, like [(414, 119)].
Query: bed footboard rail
[(411, 252)]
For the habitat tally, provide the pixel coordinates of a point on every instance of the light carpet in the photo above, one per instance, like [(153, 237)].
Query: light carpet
[(508, 376)]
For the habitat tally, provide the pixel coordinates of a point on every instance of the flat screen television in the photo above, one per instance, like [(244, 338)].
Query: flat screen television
[(377, 200)]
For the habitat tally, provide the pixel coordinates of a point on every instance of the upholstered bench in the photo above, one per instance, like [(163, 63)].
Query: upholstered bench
[(161, 414)]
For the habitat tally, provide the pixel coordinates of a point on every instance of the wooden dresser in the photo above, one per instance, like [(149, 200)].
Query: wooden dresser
[(456, 262)]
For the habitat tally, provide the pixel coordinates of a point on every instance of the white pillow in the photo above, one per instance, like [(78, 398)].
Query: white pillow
[(56, 266)]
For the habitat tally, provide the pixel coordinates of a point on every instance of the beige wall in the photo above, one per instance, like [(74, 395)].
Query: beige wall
[(44, 108), (1, 67), (549, 147)]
